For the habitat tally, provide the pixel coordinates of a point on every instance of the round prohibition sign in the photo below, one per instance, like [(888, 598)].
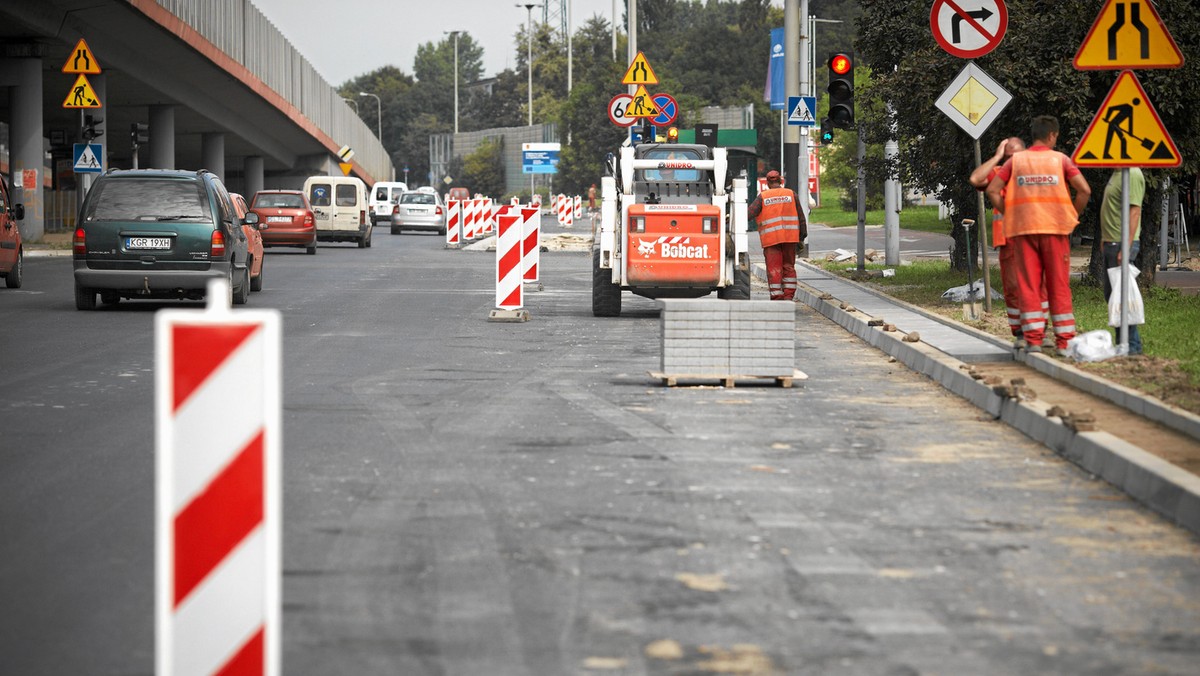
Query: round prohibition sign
[(968, 28), (616, 110), (668, 109)]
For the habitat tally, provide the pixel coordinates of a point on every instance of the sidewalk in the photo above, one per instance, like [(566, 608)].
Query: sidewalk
[(948, 352)]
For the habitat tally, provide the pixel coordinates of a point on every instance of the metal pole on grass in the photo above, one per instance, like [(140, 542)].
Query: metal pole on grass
[(987, 276)]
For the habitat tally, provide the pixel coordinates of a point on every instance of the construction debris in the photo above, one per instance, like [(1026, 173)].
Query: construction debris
[(912, 337)]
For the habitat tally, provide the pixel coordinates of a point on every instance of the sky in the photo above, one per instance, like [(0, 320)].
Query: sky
[(347, 38)]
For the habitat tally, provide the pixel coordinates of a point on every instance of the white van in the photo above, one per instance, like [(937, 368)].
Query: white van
[(384, 196), (339, 205)]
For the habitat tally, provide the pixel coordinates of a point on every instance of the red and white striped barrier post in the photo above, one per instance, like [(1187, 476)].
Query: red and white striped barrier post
[(490, 209), (469, 213), (218, 441), (514, 201), (578, 206), (568, 216), (536, 201), (560, 207), (510, 297), (531, 249), (453, 224)]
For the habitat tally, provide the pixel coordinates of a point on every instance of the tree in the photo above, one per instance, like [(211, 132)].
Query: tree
[(584, 115), (483, 170), (1034, 63)]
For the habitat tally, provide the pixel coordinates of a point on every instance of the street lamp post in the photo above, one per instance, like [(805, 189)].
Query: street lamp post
[(529, 51), (354, 101), (378, 114), (455, 34)]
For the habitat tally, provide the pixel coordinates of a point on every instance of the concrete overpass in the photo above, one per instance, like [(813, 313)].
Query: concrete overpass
[(219, 86)]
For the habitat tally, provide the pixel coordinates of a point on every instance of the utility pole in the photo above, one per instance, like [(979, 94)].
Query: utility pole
[(791, 134), (455, 34)]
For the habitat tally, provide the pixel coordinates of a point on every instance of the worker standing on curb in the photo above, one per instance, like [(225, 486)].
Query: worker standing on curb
[(980, 178), (1039, 215), (781, 228)]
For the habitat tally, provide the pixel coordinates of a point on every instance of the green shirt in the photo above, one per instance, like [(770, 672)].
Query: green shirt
[(1110, 210)]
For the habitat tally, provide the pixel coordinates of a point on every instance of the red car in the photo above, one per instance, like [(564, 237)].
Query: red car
[(11, 253), (254, 241), (288, 217)]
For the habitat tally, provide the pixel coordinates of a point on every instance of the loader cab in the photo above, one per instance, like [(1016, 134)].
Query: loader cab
[(674, 181)]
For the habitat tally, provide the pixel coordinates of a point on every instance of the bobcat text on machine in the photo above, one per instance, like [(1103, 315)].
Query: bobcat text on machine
[(668, 227)]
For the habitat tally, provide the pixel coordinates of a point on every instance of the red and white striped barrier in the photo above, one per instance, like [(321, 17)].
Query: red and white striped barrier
[(531, 249), (561, 207), (536, 201), (453, 223), (217, 522), (470, 213), (509, 289), (489, 209), (578, 206)]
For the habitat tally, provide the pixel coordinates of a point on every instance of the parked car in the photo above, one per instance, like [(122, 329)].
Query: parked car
[(12, 252), (158, 233), (288, 217), (383, 197), (339, 208), (419, 210), (254, 240)]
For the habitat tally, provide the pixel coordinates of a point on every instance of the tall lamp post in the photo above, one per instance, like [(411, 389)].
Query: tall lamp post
[(355, 102), (455, 34), (529, 51), (378, 114)]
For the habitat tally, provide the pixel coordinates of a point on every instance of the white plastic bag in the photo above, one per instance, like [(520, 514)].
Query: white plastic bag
[(1091, 346), (1137, 311), (961, 294)]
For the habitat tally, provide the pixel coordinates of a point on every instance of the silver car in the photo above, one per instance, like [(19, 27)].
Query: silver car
[(419, 210)]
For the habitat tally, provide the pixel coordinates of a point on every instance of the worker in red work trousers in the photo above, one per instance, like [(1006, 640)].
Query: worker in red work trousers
[(781, 228), (980, 178), (1039, 215)]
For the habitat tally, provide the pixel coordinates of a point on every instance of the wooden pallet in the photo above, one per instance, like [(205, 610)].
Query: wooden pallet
[(728, 380)]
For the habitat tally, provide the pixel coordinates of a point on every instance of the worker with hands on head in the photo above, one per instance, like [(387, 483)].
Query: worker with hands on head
[(980, 178), (781, 228), (1039, 216)]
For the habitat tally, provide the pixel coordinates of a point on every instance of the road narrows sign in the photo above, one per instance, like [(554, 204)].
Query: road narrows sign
[(1128, 34), (1133, 134), (81, 60), (639, 72), (968, 28)]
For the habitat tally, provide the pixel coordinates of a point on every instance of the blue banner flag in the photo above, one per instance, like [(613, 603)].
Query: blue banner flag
[(776, 89)]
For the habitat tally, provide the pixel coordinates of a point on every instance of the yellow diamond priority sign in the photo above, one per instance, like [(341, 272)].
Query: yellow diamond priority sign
[(1128, 34), (1126, 131)]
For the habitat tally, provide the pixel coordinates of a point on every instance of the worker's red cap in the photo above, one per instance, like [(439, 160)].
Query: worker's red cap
[(773, 175)]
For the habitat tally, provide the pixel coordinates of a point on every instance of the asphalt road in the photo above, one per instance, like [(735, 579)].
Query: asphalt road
[(466, 497)]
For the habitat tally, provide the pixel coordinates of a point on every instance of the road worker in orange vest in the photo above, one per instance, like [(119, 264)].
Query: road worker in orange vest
[(781, 228), (1039, 215), (980, 178)]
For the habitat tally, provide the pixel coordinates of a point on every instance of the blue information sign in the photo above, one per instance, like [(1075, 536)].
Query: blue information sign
[(540, 158)]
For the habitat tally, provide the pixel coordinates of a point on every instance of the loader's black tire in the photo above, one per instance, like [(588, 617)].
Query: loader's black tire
[(740, 289), (606, 296)]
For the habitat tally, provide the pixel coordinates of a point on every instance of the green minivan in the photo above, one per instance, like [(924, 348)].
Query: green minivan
[(158, 234)]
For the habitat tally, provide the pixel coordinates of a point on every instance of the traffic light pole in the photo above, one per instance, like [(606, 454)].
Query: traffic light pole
[(802, 158), (791, 133)]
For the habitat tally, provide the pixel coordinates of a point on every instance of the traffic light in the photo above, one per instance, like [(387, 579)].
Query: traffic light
[(826, 131), (139, 133), (89, 128), (841, 91)]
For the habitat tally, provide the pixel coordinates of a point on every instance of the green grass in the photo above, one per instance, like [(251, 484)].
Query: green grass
[(923, 218), (1170, 331)]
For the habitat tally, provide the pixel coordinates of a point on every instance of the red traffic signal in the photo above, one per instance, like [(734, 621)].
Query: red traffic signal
[(840, 64)]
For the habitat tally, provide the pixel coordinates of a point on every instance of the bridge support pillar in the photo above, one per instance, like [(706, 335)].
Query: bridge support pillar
[(162, 137), (252, 175), (25, 139), (212, 153)]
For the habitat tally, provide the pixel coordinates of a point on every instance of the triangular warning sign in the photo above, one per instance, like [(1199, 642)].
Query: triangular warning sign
[(642, 105), (1127, 131), (640, 72), (346, 168), (1128, 34), (81, 95), (81, 60), (801, 112)]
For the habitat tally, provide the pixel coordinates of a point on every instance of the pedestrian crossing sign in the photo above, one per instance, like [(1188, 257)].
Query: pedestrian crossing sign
[(1127, 132), (88, 158), (802, 111)]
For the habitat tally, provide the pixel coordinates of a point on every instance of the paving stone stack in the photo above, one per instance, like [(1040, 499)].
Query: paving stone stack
[(728, 337)]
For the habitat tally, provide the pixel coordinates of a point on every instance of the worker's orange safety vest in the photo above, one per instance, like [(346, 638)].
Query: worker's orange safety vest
[(1036, 198), (778, 222)]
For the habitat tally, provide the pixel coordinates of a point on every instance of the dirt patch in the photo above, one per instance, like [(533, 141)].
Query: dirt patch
[(1177, 449)]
